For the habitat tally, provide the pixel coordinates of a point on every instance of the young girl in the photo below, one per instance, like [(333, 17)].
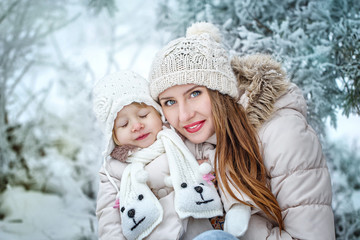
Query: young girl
[(285, 179), (137, 199)]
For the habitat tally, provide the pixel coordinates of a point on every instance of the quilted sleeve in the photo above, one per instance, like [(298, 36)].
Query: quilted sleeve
[(299, 178), (109, 223)]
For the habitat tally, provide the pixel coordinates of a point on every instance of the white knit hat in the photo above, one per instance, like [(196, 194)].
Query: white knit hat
[(112, 93), (199, 59)]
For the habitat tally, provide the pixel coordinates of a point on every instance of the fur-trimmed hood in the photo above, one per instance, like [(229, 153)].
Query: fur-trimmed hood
[(264, 88)]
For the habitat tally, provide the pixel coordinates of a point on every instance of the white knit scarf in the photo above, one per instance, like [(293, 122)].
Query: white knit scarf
[(141, 211)]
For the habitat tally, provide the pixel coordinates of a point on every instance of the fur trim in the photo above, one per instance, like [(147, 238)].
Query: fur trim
[(264, 81), (121, 153)]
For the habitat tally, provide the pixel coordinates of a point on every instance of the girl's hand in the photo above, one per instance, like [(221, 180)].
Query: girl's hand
[(201, 161)]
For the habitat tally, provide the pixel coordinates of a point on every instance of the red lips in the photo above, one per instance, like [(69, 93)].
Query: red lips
[(142, 136), (194, 127)]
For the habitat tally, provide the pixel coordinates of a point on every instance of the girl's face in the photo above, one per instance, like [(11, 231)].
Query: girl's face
[(137, 126), (188, 109)]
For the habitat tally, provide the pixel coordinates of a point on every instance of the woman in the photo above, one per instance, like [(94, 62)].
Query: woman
[(267, 156)]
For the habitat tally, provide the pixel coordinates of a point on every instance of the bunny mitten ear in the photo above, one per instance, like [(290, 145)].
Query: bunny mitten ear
[(237, 220)]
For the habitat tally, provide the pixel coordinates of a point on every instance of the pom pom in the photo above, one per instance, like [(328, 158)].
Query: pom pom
[(204, 27), (205, 168), (168, 181), (142, 176)]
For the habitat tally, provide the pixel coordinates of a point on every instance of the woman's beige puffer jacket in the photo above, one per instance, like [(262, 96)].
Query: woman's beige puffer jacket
[(298, 174)]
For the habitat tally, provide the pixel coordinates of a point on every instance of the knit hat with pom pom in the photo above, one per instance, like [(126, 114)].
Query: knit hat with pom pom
[(112, 93), (199, 58)]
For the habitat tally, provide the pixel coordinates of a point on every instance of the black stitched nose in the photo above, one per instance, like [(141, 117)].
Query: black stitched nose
[(131, 213), (198, 189)]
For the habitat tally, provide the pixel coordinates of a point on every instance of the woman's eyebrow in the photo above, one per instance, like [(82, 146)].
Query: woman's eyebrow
[(189, 90), (164, 98)]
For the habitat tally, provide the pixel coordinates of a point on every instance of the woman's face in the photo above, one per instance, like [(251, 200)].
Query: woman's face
[(188, 109)]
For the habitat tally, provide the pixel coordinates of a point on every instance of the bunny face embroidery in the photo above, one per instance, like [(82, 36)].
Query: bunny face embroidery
[(197, 197), (138, 216)]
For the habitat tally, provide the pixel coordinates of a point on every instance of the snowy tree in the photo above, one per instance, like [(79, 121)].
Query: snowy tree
[(97, 6), (44, 146), (345, 171), (23, 30)]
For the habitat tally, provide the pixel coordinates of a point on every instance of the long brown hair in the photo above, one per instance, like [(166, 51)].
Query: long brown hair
[(239, 160)]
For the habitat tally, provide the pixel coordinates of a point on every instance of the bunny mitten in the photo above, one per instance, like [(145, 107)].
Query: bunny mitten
[(237, 220)]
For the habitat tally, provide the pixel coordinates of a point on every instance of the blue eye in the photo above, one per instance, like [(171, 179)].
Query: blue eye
[(195, 93), (169, 103)]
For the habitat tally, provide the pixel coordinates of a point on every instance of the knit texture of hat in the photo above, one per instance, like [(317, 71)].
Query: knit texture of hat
[(199, 59), (112, 93)]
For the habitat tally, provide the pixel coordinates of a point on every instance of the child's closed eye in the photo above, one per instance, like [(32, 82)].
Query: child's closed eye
[(143, 113), (123, 125)]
